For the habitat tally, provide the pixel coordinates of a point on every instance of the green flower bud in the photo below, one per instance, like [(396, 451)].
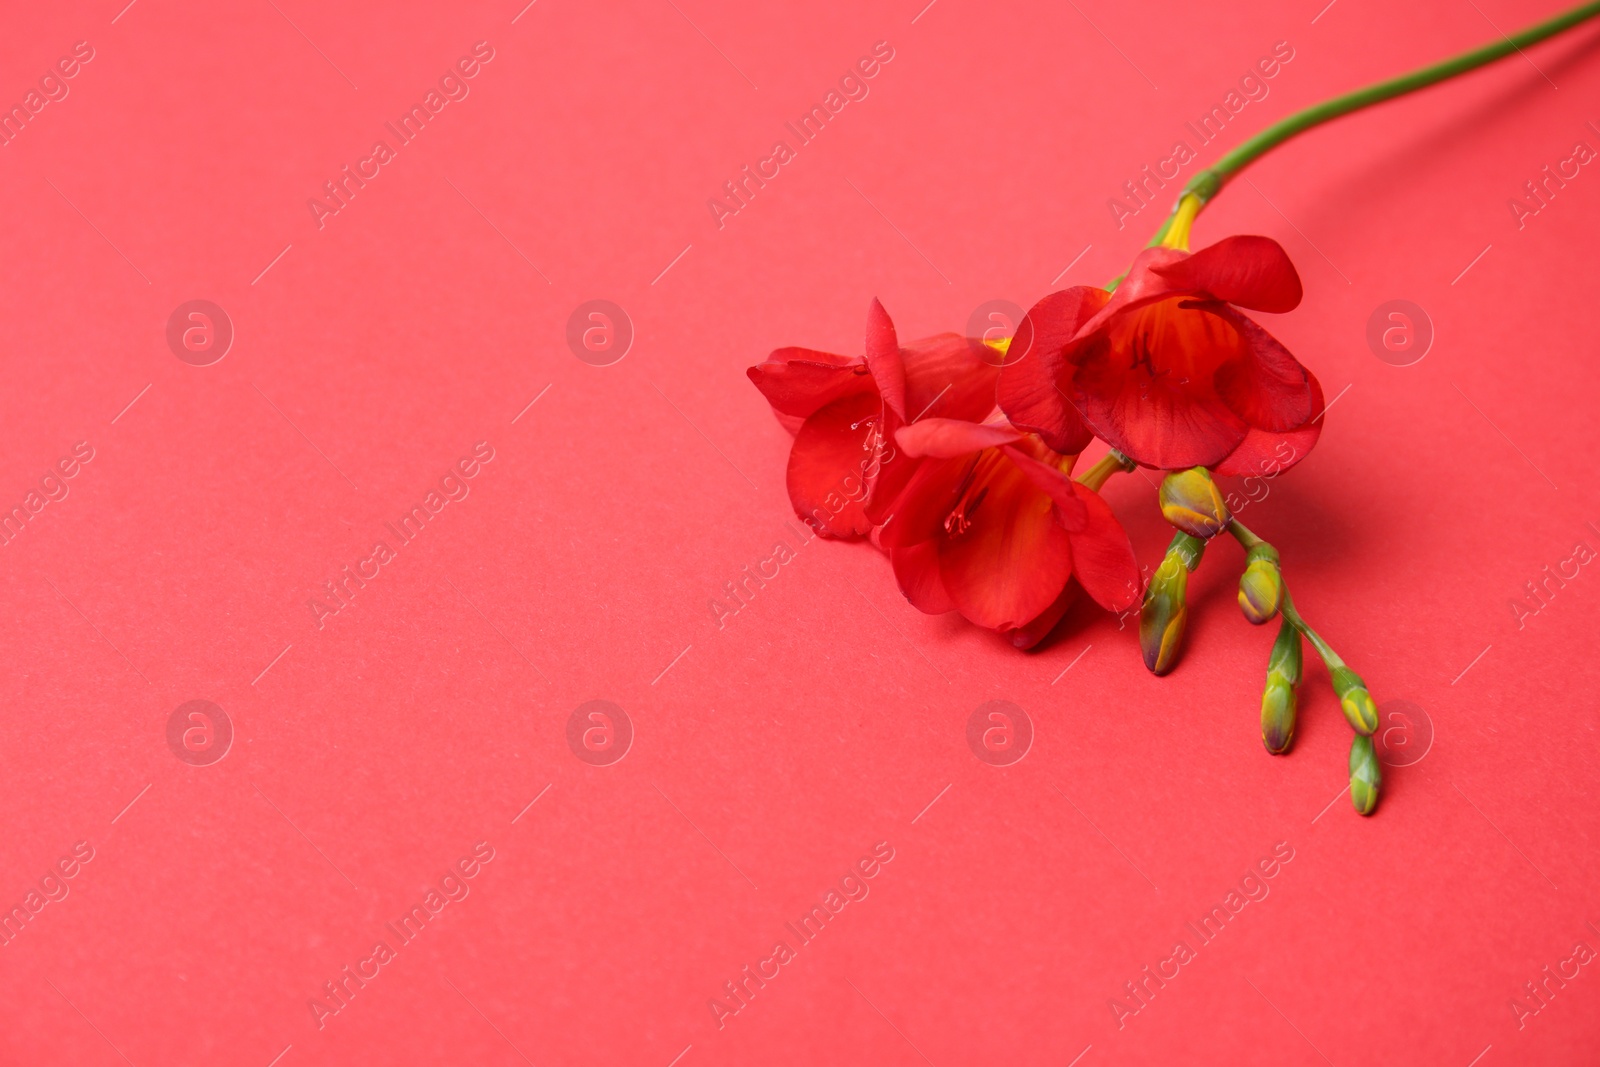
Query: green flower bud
[(1278, 705), (1365, 777), (1188, 549), (1278, 701), (1287, 657), (1191, 501), (1163, 615), (1261, 585), (1355, 700)]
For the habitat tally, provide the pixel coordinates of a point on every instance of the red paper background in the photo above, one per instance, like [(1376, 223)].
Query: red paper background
[(827, 714)]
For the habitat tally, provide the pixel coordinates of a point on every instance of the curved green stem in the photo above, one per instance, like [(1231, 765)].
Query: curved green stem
[(1242, 534), (1207, 183), (1325, 650)]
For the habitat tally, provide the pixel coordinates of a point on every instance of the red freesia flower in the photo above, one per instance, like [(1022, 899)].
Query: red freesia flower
[(991, 525), (1167, 369), (843, 468)]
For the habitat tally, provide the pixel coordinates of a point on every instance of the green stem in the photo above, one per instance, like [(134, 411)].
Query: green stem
[(1111, 463), (1325, 650), (1243, 535), (1209, 182)]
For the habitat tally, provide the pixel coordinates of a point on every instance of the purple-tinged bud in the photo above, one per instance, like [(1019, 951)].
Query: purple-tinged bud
[(1278, 701), (1261, 585), (1278, 707), (1163, 615), (1191, 501)]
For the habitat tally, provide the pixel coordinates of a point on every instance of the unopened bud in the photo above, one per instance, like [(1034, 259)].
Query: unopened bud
[(1278, 701), (1163, 615), (1287, 657), (1261, 585), (1278, 706), (1365, 777), (1191, 501), (1187, 549), (1355, 700)]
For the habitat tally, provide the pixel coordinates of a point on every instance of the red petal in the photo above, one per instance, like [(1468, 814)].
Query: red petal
[(1013, 559), (827, 485), (1026, 637), (1102, 556), (950, 376), (1140, 286), (883, 357), (919, 511), (1054, 484), (1268, 388), (1163, 413), (1265, 454), (799, 381), (890, 473), (948, 438), (1029, 389), (1252, 272), (916, 569)]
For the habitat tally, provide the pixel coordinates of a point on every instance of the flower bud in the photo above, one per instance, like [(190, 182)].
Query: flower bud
[(1191, 501), (1261, 585), (1287, 658), (1187, 549), (1163, 614), (1278, 701), (1355, 701), (1278, 705), (1365, 777)]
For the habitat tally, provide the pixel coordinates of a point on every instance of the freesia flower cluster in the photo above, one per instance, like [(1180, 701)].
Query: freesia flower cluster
[(955, 456)]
